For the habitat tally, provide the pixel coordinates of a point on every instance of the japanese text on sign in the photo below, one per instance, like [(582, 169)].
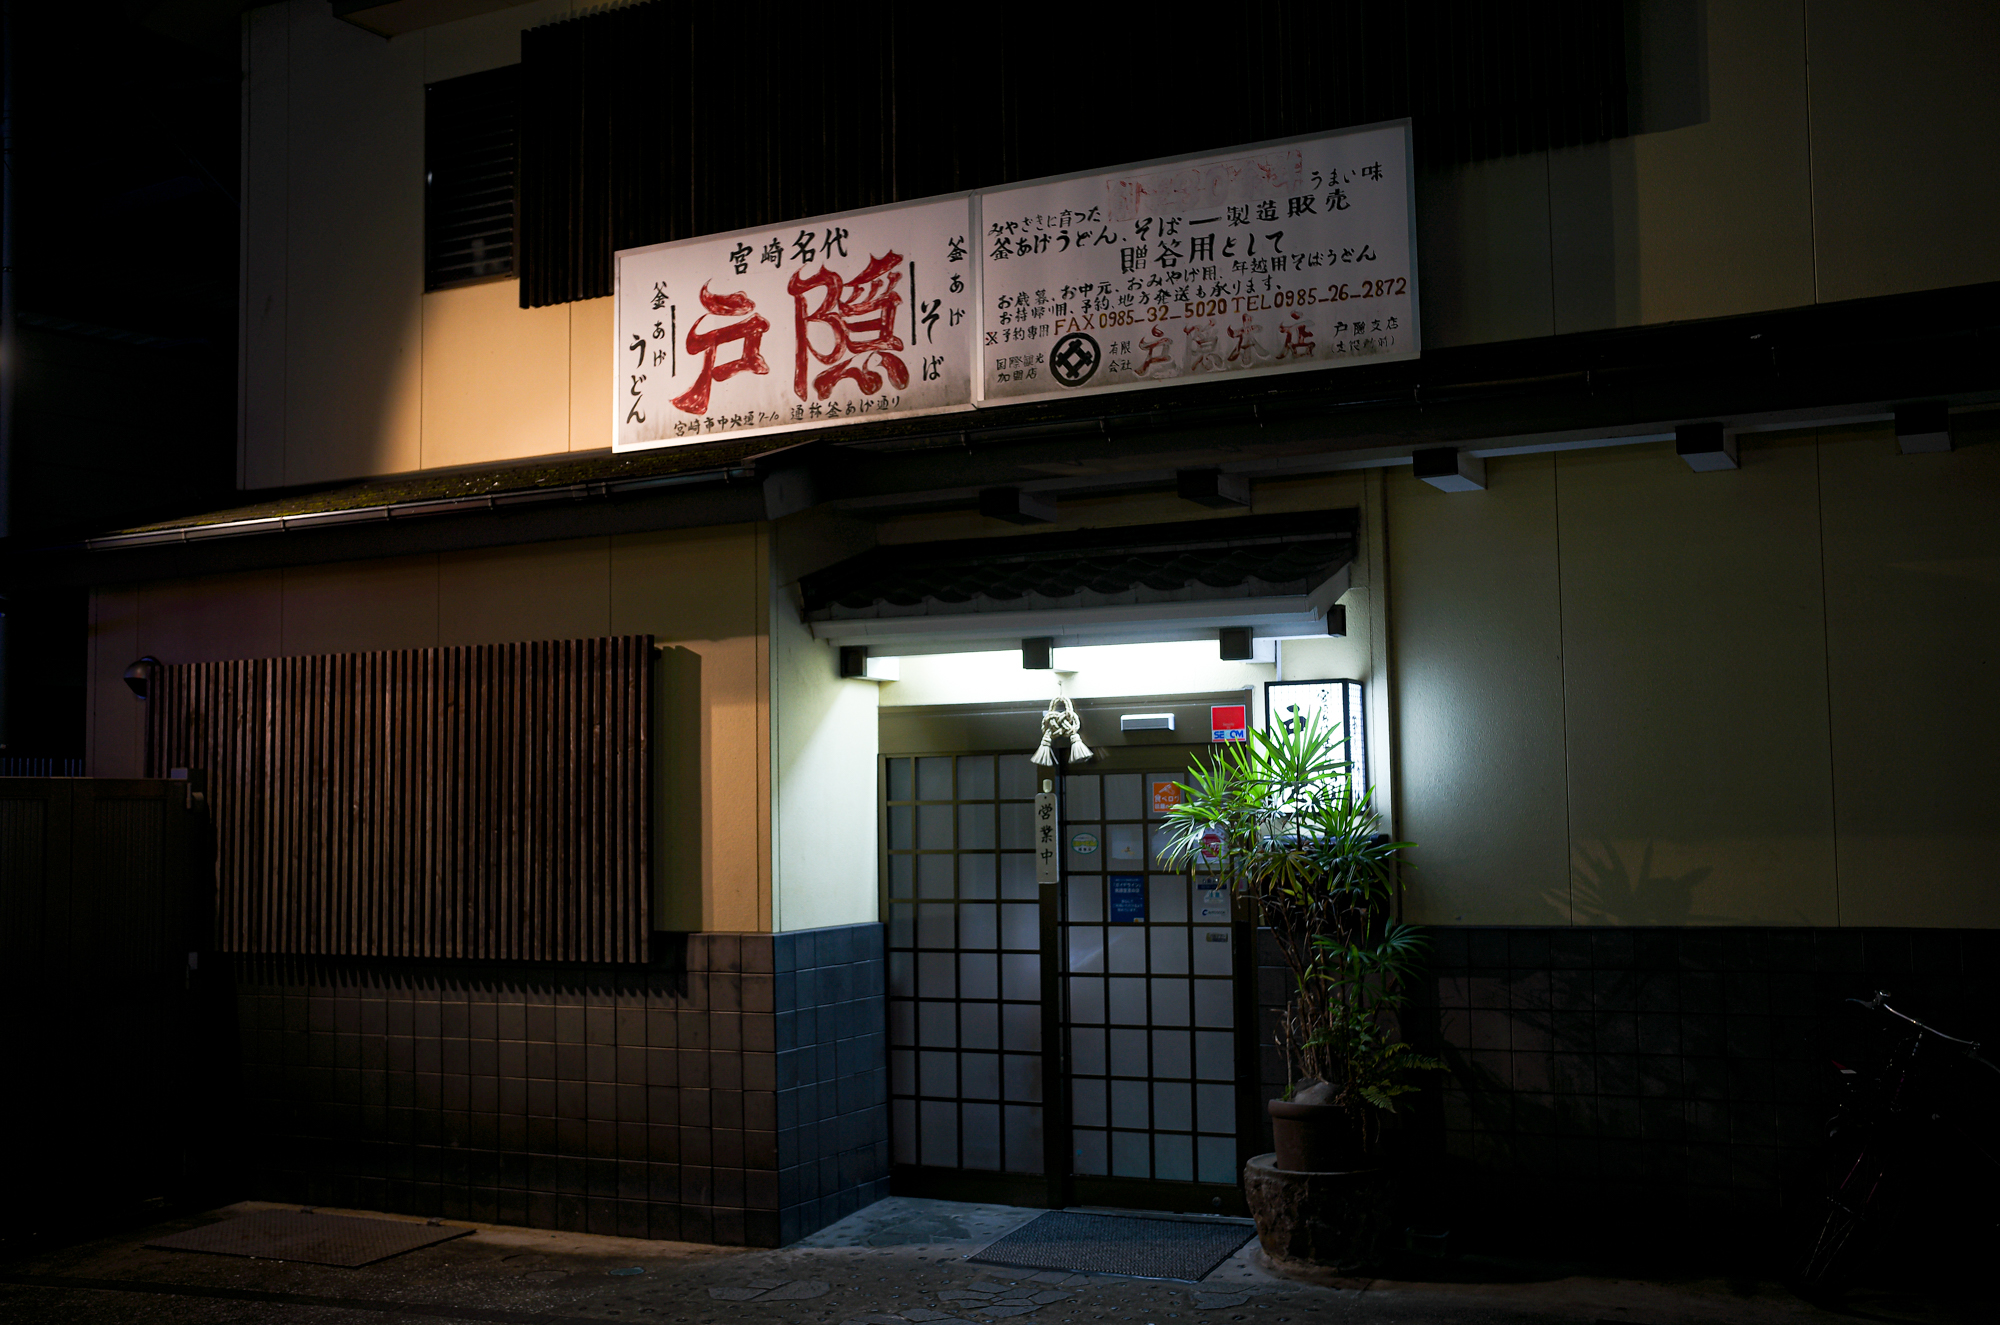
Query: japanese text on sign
[(1276, 258), (854, 317), (1288, 257), (1048, 859)]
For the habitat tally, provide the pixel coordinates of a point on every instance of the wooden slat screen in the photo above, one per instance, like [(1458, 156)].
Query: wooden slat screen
[(489, 802)]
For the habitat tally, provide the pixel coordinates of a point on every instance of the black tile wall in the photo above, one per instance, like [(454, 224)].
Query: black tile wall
[(831, 1075), (1622, 1083), (734, 1091)]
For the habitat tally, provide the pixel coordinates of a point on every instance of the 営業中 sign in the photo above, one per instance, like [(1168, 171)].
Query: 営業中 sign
[(1048, 860)]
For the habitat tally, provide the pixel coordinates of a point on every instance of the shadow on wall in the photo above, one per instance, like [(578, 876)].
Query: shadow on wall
[(1605, 889), (680, 750)]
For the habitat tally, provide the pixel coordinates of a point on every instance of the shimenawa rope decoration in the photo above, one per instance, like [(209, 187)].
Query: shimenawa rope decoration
[(1060, 722)]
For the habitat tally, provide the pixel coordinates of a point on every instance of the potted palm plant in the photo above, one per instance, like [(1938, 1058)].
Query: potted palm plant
[(1280, 819)]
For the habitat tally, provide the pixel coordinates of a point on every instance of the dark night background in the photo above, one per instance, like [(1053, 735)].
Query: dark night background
[(123, 184)]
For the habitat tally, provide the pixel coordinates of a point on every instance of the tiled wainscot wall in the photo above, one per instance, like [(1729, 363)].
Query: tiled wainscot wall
[(734, 1091)]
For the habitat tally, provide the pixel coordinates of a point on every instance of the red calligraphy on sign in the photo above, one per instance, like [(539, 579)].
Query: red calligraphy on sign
[(750, 331), (861, 313)]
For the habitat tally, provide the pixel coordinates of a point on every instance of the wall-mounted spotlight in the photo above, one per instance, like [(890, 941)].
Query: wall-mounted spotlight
[(857, 665), (1212, 488), (1705, 447), (1039, 654), (1015, 506), (139, 676), (1236, 645), (1448, 469), (1922, 428)]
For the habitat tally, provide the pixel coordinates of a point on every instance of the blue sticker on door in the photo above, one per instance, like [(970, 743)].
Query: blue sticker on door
[(1128, 898)]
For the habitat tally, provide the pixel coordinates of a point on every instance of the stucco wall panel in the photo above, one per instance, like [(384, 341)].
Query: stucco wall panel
[(1695, 695), (260, 437), (355, 248), (115, 740), (702, 592), (496, 376), (539, 592), (823, 783), (1476, 651), (358, 606), (229, 616), (1484, 251), (1905, 148), (1913, 645), (590, 402)]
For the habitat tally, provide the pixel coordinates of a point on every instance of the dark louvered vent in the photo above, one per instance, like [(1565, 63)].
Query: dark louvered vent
[(487, 802), (627, 139), (469, 151)]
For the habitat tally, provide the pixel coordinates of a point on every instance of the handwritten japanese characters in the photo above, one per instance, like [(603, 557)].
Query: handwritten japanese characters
[(1271, 259), (807, 324), (1279, 258)]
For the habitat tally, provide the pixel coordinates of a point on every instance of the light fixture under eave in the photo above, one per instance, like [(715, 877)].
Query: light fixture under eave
[(1922, 428), (1145, 722), (1706, 447), (858, 664), (1449, 469)]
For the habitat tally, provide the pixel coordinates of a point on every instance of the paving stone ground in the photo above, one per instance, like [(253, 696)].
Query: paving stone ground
[(899, 1262)]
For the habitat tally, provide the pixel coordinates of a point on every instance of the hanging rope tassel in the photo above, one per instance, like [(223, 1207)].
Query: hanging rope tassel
[(1060, 722)]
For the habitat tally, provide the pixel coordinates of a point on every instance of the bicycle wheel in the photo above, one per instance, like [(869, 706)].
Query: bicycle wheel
[(1857, 1213), (1830, 1261)]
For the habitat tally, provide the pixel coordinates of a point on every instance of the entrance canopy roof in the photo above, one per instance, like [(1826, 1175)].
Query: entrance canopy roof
[(1275, 574)]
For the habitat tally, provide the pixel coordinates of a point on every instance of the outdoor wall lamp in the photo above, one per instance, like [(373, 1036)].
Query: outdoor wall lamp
[(139, 676), (1923, 427), (1449, 469), (857, 664), (1705, 447)]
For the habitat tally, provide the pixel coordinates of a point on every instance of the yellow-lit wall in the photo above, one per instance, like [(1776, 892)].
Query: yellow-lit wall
[(705, 593), (824, 796), (1627, 693), (349, 368), (1788, 152)]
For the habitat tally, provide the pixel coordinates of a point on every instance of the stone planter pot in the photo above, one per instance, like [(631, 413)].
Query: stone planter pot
[(1338, 1221), (1312, 1138)]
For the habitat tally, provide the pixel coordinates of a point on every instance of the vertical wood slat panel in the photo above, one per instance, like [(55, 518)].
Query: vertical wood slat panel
[(491, 802)]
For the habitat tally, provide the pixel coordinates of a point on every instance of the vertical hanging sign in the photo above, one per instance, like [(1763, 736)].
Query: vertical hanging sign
[(1048, 829)]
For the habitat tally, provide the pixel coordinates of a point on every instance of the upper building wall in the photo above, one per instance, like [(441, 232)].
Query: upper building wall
[(1789, 152)]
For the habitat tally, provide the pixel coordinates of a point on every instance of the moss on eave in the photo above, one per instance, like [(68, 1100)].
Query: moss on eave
[(483, 481)]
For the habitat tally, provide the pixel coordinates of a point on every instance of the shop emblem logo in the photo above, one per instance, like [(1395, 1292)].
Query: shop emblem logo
[(1074, 359), (1084, 844)]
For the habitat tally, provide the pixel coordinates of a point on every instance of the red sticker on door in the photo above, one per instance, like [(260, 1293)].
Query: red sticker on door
[(1229, 722)]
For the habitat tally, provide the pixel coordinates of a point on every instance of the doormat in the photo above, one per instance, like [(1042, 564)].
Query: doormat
[(1184, 1249), (303, 1235)]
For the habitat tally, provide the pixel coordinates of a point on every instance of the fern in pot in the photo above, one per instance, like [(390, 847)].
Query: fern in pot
[(1279, 818)]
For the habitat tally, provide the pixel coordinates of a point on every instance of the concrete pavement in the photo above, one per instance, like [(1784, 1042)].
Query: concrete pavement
[(898, 1262)]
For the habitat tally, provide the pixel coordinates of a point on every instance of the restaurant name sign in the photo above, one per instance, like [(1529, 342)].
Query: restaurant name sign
[(1270, 259)]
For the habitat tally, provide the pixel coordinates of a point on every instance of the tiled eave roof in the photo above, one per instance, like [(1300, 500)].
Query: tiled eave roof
[(1247, 556)]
